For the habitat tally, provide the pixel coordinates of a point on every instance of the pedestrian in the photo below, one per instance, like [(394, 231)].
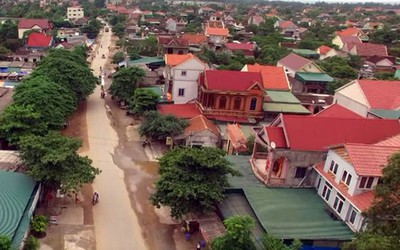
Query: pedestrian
[(198, 246)]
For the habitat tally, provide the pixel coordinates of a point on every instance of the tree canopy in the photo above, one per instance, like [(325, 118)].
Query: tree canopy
[(5, 243), (53, 159), (272, 243), (143, 100), (159, 127), (192, 180), (237, 236), (125, 82)]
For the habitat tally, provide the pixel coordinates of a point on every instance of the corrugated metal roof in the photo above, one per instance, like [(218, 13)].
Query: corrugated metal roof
[(282, 96), (313, 77), (292, 108), (386, 113), (16, 191), (397, 74)]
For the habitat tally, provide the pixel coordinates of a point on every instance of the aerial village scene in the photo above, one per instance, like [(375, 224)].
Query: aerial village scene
[(223, 125)]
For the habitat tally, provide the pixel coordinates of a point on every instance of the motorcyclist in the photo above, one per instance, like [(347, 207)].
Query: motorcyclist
[(95, 197)]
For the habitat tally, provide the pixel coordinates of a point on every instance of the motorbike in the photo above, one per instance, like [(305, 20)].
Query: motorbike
[(102, 95), (103, 56), (95, 198)]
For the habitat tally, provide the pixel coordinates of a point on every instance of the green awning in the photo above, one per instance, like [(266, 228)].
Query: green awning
[(313, 77), (386, 113), (397, 74), (306, 52), (281, 96), (292, 108), (147, 60)]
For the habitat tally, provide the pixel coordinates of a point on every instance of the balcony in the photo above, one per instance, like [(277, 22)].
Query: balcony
[(268, 177)]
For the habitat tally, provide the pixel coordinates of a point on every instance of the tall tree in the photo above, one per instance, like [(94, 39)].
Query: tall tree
[(237, 236), (5, 243), (272, 243), (192, 180), (125, 82), (53, 159), (143, 100)]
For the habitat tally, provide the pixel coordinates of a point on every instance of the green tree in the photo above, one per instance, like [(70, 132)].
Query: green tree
[(192, 180), (143, 100), (39, 223), (119, 29), (125, 82), (19, 121), (385, 76), (159, 127), (272, 243), (32, 244), (237, 236), (53, 160), (92, 29), (54, 102), (344, 71), (5, 243), (118, 57), (68, 69)]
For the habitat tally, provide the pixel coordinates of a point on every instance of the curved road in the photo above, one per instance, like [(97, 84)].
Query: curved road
[(115, 222)]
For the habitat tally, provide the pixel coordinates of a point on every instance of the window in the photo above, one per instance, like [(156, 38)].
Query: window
[(353, 216), (181, 92), (319, 182), (326, 192), (300, 172), (346, 178), (338, 204), (253, 103), (366, 182), (334, 167), (183, 73), (222, 102), (237, 103)]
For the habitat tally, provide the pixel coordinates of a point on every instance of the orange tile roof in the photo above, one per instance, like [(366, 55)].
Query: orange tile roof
[(236, 136), (195, 38), (274, 77), (391, 141), (348, 32), (174, 59), (361, 201), (217, 31), (201, 123), (323, 49)]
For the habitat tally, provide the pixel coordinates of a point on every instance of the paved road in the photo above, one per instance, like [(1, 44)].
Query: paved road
[(115, 222)]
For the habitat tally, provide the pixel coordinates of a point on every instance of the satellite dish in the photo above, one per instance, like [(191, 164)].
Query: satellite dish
[(273, 145)]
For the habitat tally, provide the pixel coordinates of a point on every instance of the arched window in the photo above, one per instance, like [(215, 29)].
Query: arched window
[(222, 102), (237, 103), (253, 103), (211, 102)]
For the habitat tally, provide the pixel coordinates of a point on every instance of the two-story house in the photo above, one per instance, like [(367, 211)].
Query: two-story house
[(216, 36), (371, 98), (40, 25), (172, 45), (231, 95), (285, 151), (348, 176), (181, 73)]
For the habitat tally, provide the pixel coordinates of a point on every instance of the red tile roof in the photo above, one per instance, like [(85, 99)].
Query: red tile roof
[(313, 133), (336, 110), (195, 38), (323, 49), (294, 62), (274, 77), (370, 49), (230, 80), (236, 136), (350, 39), (217, 31), (287, 24), (361, 201), (39, 40), (391, 141), (348, 32), (381, 94), (369, 160), (172, 41), (185, 111), (276, 135), (29, 23), (240, 46), (200, 123)]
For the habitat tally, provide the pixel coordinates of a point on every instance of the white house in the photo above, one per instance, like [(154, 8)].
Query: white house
[(74, 13), (181, 73), (347, 178)]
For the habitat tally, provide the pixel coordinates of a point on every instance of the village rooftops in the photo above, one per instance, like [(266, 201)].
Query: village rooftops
[(185, 111), (229, 80), (294, 62), (338, 111), (200, 123), (25, 23), (39, 40), (216, 31), (274, 77), (176, 59), (313, 133)]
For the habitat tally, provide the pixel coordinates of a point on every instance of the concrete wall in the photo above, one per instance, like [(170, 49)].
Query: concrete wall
[(203, 138), (351, 104), (21, 31)]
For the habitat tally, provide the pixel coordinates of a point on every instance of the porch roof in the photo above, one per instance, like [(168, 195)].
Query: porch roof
[(287, 213), (313, 77), (292, 108), (281, 96), (386, 113)]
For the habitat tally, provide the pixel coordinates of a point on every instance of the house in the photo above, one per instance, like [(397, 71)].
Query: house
[(381, 63), (307, 53), (40, 25), (172, 45), (231, 95), (347, 178), (202, 132), (326, 52), (342, 41), (237, 142), (216, 36), (286, 151), (371, 98), (255, 20), (195, 41), (181, 73), (170, 25), (366, 50), (74, 13), (39, 42), (247, 49), (353, 32), (294, 63), (274, 77), (288, 29)]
